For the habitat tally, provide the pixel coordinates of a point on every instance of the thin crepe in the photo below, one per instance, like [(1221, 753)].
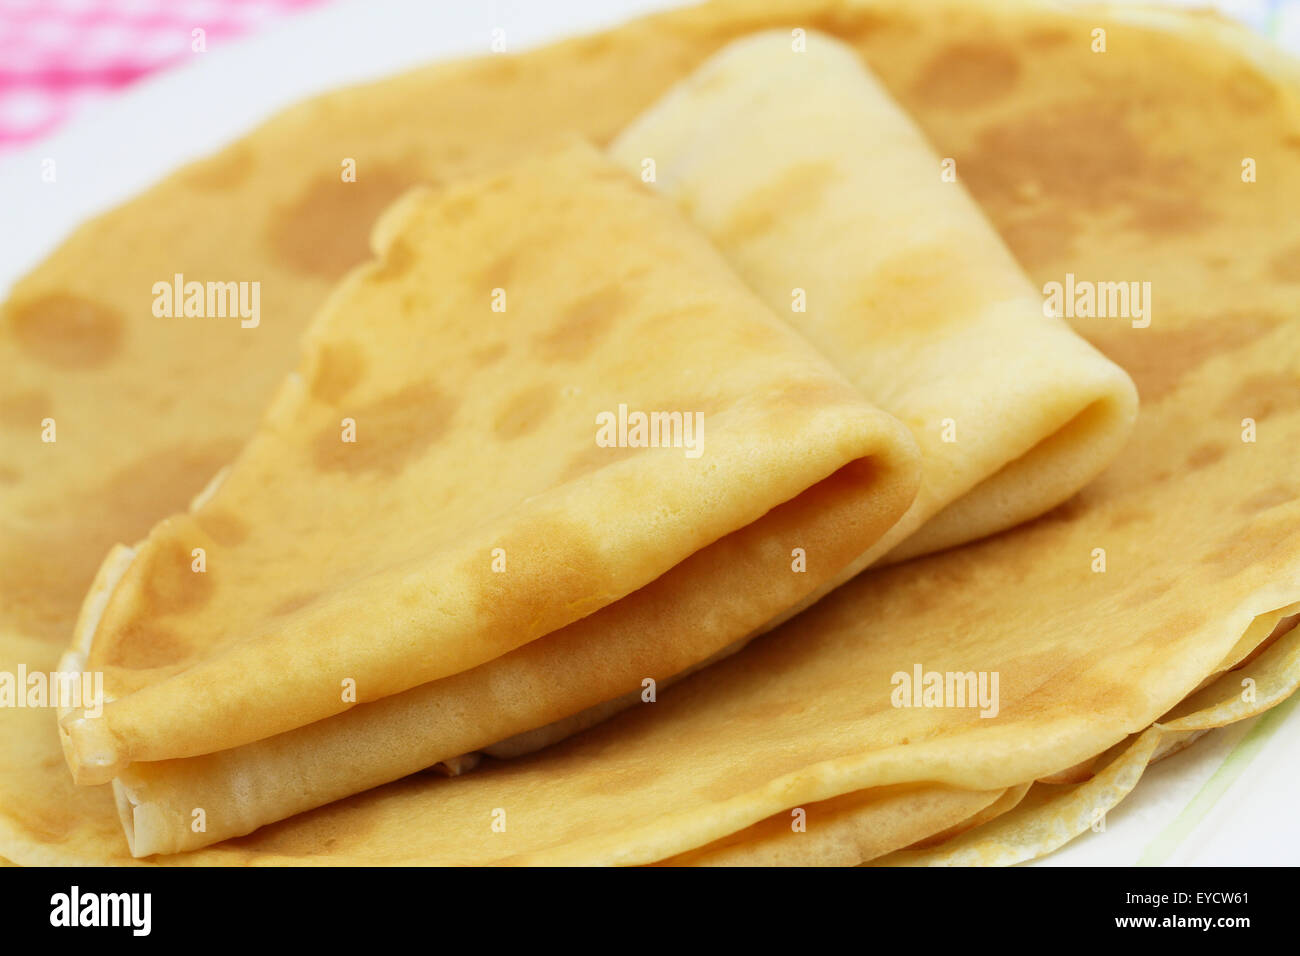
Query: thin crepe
[(1072, 176), (1051, 816), (1043, 409), (811, 180), (340, 571)]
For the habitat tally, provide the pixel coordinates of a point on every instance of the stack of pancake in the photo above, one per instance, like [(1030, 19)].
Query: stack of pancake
[(884, 560)]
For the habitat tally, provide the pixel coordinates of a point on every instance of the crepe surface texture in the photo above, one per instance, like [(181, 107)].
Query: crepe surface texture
[(1197, 525), (827, 199), (378, 531), (1046, 409)]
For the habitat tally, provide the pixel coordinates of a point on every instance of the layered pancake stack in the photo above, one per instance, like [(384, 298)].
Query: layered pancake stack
[(814, 242)]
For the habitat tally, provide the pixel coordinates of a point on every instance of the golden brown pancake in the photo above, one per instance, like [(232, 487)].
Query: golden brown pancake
[(808, 177), (916, 340), (1196, 523), (423, 514)]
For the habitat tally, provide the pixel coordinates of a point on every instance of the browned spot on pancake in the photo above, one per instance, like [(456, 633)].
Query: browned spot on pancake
[(9, 476), (1040, 240), (594, 457), (1168, 216), (25, 409), (223, 527), (1081, 150), (66, 331), (851, 25), (153, 487), (968, 75), (1250, 90), (295, 603), (488, 355), (1067, 512), (925, 286), (498, 273), (1268, 498), (144, 645), (1079, 155), (1206, 454), (1286, 266), (339, 367), (584, 324), (1034, 171), (391, 432), (801, 186), (1158, 358), (395, 263), (1130, 515), (523, 413), (556, 575), (168, 582), (225, 170), (51, 564), (326, 230), (1261, 395), (1051, 37)]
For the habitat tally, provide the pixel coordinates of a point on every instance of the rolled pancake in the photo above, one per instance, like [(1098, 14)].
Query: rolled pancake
[(378, 531), (809, 177), (1072, 175)]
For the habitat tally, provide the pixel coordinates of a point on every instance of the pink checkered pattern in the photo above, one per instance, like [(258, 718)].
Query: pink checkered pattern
[(58, 55)]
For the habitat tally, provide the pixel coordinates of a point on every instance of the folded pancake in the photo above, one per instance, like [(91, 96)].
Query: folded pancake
[(430, 490), (1116, 166), (827, 199), (917, 301)]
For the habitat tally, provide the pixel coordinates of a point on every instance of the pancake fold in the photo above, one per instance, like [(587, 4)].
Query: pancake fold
[(378, 534), (813, 181)]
